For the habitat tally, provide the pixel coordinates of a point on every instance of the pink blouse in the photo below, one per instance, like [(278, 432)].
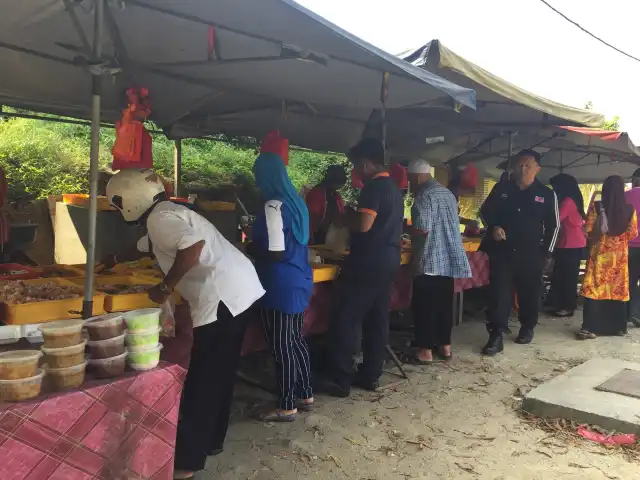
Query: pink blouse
[(571, 222)]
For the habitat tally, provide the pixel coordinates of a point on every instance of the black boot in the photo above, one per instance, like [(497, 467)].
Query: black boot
[(525, 336), (494, 346)]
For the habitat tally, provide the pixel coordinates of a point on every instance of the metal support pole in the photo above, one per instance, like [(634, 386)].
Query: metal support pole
[(384, 92), (509, 166), (87, 304), (177, 167)]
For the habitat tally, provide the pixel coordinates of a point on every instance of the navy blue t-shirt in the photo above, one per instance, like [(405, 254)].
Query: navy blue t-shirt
[(379, 248), (288, 282)]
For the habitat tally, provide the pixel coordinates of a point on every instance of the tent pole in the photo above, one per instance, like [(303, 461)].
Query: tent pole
[(510, 154), (87, 304), (384, 92), (177, 167)]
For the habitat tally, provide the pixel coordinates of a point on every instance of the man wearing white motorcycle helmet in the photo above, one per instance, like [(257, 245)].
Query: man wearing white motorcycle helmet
[(218, 282)]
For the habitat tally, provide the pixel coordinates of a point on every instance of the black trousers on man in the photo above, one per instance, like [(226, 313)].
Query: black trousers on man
[(362, 297), (432, 310), (522, 273), (634, 291), (208, 389)]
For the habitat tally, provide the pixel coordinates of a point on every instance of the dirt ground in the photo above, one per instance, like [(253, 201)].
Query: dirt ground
[(454, 421)]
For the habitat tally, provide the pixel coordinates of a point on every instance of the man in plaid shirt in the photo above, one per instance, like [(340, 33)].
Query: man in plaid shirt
[(439, 258)]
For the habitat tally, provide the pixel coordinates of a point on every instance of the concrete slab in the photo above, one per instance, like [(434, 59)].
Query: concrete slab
[(573, 396)]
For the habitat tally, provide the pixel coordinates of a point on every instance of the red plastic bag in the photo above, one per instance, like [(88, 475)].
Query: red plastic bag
[(399, 175), (620, 439), (469, 177), (274, 143), (356, 181), (133, 145)]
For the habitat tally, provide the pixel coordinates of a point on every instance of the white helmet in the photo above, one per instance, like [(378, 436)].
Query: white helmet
[(134, 191)]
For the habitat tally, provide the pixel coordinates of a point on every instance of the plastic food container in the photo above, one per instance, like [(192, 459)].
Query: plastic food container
[(65, 357), (19, 364), (65, 378), (107, 367), (62, 334), (105, 326), (112, 347), (142, 320), (10, 334), (143, 341), (23, 389), (145, 359)]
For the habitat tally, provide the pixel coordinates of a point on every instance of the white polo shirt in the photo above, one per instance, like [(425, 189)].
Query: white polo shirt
[(223, 273)]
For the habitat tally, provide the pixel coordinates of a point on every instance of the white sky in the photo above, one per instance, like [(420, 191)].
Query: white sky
[(522, 41)]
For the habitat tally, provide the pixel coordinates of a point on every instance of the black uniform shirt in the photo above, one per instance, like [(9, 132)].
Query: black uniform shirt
[(529, 218)]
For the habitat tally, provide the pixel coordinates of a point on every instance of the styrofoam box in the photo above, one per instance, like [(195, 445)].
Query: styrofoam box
[(31, 332), (9, 334)]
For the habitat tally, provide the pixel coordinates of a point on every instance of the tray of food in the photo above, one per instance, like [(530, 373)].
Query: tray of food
[(43, 300), (123, 292), (55, 271)]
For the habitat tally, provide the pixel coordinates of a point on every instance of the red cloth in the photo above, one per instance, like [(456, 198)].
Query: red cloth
[(124, 428), (316, 200)]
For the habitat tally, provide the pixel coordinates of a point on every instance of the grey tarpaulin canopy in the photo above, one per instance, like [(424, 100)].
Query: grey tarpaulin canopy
[(239, 67), (588, 154), (234, 66), (501, 107)]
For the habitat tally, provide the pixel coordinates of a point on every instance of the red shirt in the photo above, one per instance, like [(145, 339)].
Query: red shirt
[(316, 201)]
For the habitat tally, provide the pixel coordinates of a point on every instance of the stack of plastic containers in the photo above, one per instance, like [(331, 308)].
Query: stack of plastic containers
[(64, 353), (107, 354), (20, 377), (143, 335)]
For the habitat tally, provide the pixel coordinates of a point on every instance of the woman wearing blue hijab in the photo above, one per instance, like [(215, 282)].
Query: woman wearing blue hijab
[(280, 238)]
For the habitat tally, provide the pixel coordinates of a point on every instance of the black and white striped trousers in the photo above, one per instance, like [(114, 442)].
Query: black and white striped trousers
[(283, 332)]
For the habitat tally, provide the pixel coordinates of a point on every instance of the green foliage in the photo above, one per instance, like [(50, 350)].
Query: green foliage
[(45, 158)]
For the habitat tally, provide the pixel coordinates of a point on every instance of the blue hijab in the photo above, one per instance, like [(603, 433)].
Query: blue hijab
[(274, 184)]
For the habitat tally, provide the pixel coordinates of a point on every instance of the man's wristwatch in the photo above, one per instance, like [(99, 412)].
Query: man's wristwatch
[(164, 288)]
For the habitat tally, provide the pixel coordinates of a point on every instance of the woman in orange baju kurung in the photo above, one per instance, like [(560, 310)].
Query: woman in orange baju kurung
[(610, 225)]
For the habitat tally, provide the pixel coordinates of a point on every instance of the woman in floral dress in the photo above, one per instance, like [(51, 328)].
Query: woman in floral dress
[(610, 225)]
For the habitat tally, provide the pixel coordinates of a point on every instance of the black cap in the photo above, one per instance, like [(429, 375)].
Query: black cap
[(636, 174), (368, 148)]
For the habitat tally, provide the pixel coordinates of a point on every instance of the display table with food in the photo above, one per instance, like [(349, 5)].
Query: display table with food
[(93, 402)]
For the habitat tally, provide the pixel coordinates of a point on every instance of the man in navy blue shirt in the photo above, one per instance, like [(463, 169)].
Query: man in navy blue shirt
[(363, 289)]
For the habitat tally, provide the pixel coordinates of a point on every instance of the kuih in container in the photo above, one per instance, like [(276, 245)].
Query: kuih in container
[(19, 364), (65, 378), (146, 359), (107, 367), (142, 320), (64, 333), (111, 347), (105, 326), (65, 357), (143, 341), (22, 389)]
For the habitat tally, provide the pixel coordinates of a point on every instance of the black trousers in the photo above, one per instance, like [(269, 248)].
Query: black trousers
[(208, 389), (362, 298), (432, 310), (525, 275), (604, 317), (283, 332), (564, 278), (634, 277)]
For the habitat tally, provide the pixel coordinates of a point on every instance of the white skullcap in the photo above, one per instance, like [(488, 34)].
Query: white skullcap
[(419, 166)]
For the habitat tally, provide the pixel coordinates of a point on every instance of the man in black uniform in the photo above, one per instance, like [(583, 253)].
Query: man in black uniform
[(522, 218), (363, 289)]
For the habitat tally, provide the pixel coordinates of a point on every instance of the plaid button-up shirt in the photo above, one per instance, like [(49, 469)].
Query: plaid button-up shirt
[(435, 211)]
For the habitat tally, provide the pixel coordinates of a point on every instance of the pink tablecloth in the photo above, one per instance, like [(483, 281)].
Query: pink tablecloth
[(118, 430), (317, 315)]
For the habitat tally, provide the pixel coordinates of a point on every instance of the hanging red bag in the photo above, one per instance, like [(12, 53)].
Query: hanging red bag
[(399, 175), (133, 145), (274, 143), (356, 181), (469, 177)]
